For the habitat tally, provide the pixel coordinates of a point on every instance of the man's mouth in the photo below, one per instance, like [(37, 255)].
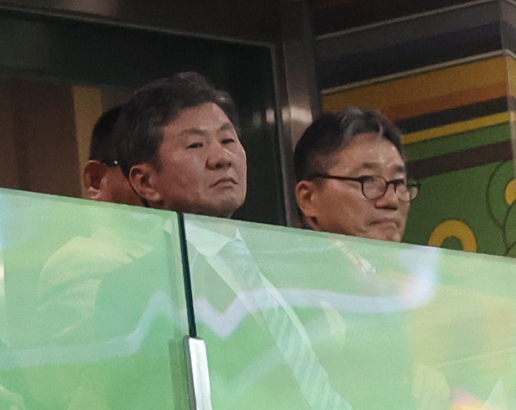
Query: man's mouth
[(226, 181), (386, 222)]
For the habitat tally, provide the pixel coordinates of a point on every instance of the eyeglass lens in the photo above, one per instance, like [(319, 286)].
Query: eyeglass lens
[(376, 186)]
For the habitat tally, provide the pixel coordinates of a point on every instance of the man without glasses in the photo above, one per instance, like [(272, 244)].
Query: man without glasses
[(178, 146), (351, 176)]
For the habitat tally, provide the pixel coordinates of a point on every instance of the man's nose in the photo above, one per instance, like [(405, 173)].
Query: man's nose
[(218, 156), (390, 199)]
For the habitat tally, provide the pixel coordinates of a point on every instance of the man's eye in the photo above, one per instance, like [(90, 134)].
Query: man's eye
[(228, 140), (195, 145)]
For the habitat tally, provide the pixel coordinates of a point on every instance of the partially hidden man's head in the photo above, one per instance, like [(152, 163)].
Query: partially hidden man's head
[(178, 144), (102, 176), (352, 177)]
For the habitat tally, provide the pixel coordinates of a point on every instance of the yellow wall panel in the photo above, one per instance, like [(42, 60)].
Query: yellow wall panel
[(428, 92)]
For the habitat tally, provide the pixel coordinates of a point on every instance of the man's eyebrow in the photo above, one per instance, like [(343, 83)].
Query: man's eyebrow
[(192, 131), (367, 166), (227, 126)]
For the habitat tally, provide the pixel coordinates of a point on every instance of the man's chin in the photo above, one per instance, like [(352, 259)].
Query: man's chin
[(223, 209)]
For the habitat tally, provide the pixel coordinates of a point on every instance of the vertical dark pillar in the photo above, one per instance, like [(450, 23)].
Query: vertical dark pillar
[(297, 84)]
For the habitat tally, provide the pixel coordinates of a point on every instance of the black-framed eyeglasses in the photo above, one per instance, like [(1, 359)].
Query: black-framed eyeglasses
[(375, 186)]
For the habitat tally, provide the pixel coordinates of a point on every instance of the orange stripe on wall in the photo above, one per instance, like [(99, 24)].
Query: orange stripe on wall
[(445, 102), (436, 85), (511, 73)]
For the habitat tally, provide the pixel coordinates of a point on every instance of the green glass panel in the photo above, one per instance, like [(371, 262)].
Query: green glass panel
[(296, 319), (92, 308)]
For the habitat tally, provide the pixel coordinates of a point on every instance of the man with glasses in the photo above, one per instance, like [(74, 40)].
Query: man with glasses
[(351, 176), (352, 179)]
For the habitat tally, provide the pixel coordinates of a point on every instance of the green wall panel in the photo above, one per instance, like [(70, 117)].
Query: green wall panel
[(477, 198)]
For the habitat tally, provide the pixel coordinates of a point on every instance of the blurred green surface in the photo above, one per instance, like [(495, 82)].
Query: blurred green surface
[(93, 305), (93, 314), (394, 326)]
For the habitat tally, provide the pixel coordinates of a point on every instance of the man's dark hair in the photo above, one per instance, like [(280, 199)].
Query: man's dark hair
[(139, 129), (332, 132), (102, 145)]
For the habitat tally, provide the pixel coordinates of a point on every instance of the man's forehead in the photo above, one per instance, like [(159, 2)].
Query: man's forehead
[(374, 154), (376, 166), (203, 129), (198, 121)]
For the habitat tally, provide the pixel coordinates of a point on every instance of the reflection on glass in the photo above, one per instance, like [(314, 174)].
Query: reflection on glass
[(94, 315), (94, 304), (305, 320), (3, 320)]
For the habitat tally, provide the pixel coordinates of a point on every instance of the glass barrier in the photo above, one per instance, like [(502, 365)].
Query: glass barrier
[(298, 319), (92, 307)]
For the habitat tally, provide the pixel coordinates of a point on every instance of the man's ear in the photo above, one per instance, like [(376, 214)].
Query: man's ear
[(305, 192), (143, 178), (93, 178)]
